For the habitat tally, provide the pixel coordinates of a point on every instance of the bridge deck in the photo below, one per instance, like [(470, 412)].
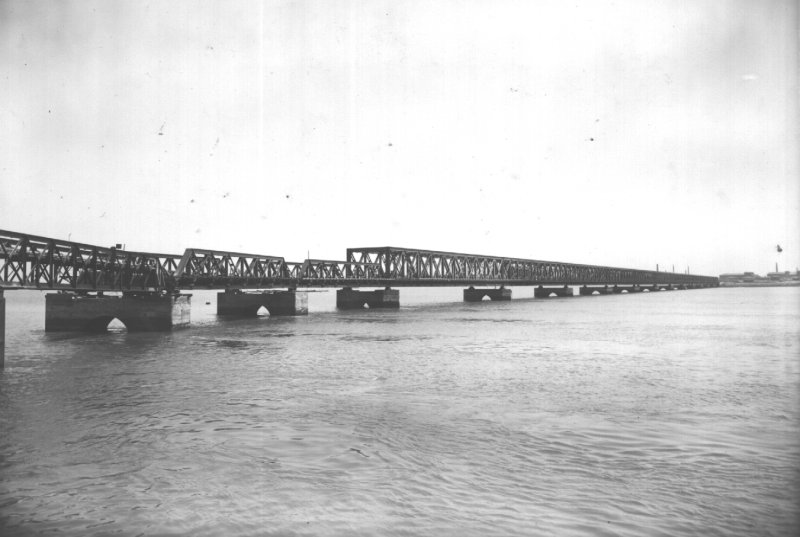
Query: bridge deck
[(33, 262)]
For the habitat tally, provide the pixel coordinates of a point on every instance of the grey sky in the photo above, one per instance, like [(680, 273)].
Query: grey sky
[(627, 133)]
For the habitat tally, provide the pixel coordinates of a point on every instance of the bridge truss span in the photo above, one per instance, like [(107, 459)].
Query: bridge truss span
[(322, 272), (214, 269), (404, 266), (33, 262)]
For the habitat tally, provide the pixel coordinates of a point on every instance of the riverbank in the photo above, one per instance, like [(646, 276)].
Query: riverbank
[(759, 284)]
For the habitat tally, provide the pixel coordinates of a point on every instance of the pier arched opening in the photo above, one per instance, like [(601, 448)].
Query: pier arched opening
[(102, 324), (116, 325)]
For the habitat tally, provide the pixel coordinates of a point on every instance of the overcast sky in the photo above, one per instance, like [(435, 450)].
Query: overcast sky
[(625, 133)]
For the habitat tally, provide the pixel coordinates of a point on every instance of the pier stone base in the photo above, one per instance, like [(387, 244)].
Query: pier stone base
[(544, 292), (627, 288), (586, 291), (348, 299), (476, 295), (237, 303), (139, 312), (2, 329)]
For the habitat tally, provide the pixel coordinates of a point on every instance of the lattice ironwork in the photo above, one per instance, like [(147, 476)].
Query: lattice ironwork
[(314, 272), (217, 269), (32, 262), (397, 266)]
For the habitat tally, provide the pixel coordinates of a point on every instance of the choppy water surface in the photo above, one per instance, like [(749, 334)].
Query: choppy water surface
[(666, 414)]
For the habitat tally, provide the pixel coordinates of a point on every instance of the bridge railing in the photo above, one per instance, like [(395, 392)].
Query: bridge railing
[(34, 262)]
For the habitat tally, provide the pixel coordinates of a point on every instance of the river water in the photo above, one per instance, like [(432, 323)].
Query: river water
[(674, 413)]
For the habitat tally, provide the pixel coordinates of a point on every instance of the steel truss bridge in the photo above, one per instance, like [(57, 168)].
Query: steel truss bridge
[(33, 262)]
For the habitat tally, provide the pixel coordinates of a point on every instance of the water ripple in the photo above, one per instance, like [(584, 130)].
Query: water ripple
[(571, 418)]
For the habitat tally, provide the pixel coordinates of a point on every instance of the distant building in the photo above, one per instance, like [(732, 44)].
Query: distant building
[(744, 277), (752, 277), (784, 276)]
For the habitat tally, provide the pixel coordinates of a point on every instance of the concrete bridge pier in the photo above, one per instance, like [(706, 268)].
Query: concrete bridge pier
[(627, 288), (238, 303), (2, 329), (348, 298), (476, 295), (139, 312), (544, 292), (587, 291)]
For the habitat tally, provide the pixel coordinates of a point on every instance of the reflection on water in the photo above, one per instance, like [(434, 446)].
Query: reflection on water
[(674, 413)]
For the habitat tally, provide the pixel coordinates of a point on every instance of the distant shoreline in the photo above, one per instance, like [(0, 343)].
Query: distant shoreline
[(759, 284)]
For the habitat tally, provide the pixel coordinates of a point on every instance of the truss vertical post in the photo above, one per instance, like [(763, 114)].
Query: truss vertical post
[(2, 329)]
